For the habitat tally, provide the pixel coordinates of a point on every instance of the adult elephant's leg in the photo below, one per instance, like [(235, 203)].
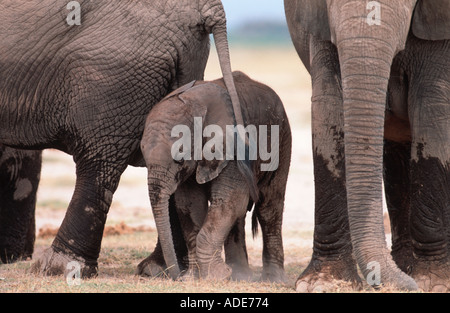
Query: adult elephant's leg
[(80, 235), (19, 178), (397, 189), (332, 249), (430, 167), (396, 162), (154, 264)]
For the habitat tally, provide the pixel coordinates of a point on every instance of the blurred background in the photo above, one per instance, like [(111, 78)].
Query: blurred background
[(256, 22), (261, 47)]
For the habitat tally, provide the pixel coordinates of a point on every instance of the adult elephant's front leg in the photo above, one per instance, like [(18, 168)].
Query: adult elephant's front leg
[(79, 237), (19, 178), (332, 249), (430, 166), (398, 199)]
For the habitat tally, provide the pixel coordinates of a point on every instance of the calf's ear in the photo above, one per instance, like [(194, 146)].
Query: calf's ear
[(209, 170), (211, 102)]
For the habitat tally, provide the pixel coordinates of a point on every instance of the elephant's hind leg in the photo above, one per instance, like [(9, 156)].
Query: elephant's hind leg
[(398, 200), (236, 252)]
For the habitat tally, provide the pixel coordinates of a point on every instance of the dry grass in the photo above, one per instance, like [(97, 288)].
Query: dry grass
[(117, 264)]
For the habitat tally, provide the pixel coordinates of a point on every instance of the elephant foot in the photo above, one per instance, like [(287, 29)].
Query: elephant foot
[(273, 274), (432, 276), (241, 273), (190, 275), (8, 257), (215, 271), (328, 276), (54, 263), (152, 267)]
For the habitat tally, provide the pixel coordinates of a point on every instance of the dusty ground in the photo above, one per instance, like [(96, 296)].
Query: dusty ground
[(130, 224)]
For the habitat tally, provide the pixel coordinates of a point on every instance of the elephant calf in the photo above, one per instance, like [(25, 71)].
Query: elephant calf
[(219, 171)]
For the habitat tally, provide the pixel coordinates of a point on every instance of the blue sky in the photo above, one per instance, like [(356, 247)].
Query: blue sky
[(239, 11)]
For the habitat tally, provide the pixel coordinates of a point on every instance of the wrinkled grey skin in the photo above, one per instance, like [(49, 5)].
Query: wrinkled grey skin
[(231, 186), (19, 178), (87, 89), (386, 88)]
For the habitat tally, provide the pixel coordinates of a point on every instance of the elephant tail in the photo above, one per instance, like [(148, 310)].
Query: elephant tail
[(255, 222), (245, 168)]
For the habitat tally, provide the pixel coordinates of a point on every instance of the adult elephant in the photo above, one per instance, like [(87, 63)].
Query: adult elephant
[(86, 89), (359, 54)]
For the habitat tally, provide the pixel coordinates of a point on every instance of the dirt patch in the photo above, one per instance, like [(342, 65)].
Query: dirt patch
[(48, 231), (123, 229)]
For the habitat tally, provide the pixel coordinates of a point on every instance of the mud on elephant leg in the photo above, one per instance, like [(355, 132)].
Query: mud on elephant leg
[(19, 179), (332, 249), (430, 220), (80, 235), (398, 199), (154, 265), (430, 168)]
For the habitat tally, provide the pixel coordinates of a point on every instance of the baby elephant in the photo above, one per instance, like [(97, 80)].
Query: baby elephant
[(191, 148)]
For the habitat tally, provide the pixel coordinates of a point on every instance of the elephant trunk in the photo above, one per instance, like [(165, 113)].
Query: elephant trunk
[(159, 191), (365, 54), (364, 93)]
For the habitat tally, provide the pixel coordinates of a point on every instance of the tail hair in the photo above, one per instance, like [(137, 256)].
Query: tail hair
[(245, 168), (255, 222)]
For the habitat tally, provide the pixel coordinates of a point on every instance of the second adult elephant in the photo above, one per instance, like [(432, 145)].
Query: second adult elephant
[(359, 56), (86, 89)]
